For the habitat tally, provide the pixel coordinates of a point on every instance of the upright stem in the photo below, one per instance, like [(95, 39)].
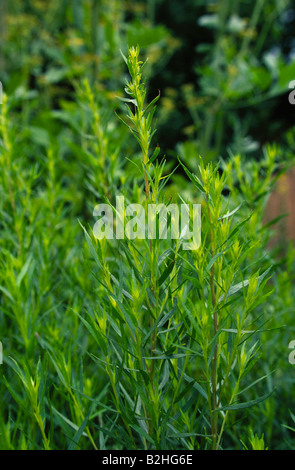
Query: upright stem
[(214, 375)]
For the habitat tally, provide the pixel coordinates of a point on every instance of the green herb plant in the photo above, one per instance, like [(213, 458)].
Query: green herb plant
[(178, 329)]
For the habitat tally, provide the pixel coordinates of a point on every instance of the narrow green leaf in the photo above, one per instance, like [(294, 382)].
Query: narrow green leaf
[(79, 433)]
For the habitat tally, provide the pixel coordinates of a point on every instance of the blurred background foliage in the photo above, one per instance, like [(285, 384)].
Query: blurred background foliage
[(231, 74)]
